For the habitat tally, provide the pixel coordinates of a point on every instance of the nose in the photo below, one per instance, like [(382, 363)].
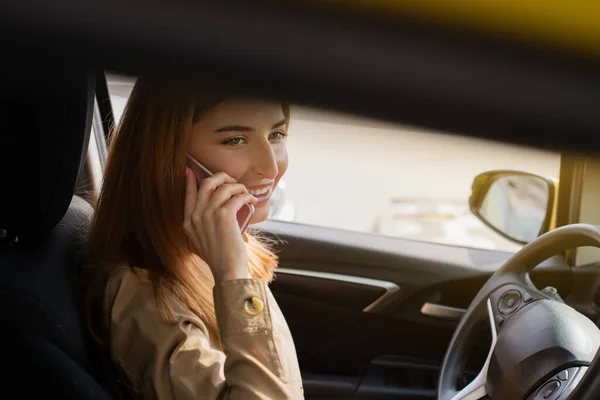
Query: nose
[(265, 160)]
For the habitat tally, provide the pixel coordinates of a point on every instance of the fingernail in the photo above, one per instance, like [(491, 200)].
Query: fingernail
[(186, 171)]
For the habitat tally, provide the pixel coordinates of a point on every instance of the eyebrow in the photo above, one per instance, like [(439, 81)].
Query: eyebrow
[(242, 128)]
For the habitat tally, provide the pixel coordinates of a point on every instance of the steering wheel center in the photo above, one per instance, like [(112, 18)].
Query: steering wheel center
[(541, 338)]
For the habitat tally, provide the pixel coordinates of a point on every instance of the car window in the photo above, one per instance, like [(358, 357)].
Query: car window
[(365, 175)]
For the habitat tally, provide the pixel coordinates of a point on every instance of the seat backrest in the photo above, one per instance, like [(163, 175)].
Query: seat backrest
[(45, 124)]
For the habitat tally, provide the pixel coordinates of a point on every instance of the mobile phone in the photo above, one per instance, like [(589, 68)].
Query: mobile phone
[(245, 213)]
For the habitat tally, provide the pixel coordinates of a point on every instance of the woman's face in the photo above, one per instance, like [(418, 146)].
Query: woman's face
[(245, 138)]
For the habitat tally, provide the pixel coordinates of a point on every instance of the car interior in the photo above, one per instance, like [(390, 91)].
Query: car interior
[(373, 317)]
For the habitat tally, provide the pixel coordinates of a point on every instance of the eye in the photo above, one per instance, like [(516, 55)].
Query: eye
[(278, 135), (234, 141)]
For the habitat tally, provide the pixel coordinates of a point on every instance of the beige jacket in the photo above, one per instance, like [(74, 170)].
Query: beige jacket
[(176, 361)]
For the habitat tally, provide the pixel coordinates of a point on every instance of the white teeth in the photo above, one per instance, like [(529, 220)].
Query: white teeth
[(259, 192)]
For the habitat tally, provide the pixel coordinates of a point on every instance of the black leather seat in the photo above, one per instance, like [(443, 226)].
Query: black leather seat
[(45, 125)]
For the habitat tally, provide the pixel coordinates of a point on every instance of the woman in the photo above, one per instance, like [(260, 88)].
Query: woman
[(159, 244)]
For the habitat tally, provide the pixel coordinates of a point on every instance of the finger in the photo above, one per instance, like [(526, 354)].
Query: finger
[(238, 201), (224, 193), (210, 184), (191, 194)]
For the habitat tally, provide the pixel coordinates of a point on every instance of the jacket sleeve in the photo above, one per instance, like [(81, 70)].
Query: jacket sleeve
[(177, 361)]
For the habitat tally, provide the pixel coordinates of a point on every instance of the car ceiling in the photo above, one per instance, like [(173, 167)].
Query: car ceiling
[(396, 69)]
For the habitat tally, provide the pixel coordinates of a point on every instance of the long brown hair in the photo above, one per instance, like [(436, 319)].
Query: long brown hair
[(139, 214)]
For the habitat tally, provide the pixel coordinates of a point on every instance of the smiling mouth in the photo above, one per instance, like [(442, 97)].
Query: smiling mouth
[(261, 193)]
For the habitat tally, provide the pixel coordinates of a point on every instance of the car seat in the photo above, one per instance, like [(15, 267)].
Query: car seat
[(45, 123)]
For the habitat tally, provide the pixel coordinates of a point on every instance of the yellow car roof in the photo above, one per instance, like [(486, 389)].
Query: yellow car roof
[(571, 26)]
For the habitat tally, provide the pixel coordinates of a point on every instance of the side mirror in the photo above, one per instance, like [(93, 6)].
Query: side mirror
[(517, 205)]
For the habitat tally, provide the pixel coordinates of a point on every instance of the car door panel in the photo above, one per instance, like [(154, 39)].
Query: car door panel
[(360, 308), (351, 292), (337, 345)]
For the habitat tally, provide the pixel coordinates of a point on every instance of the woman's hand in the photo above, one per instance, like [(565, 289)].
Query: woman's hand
[(210, 223)]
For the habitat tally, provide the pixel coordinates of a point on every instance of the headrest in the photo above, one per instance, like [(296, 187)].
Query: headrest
[(45, 124)]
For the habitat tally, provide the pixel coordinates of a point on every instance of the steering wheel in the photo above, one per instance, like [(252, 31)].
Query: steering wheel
[(541, 348)]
